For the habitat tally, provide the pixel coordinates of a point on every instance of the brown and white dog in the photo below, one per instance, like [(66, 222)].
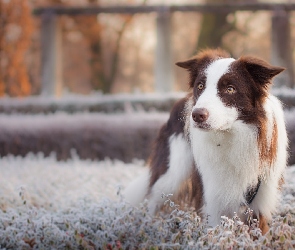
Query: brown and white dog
[(227, 137)]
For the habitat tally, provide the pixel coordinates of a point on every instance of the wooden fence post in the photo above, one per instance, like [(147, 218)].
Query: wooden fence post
[(163, 67), (51, 60), (281, 52)]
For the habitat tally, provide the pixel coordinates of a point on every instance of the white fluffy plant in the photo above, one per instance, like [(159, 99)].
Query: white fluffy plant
[(116, 225), (106, 224)]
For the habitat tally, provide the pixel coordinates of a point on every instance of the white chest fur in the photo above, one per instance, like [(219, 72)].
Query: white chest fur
[(228, 162)]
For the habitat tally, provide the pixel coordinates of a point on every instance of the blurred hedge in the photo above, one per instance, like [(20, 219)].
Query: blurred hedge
[(92, 136), (290, 123)]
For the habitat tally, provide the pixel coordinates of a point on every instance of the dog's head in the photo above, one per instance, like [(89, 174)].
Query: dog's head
[(226, 90)]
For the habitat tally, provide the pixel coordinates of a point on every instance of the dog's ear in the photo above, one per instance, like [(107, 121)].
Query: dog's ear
[(261, 71), (191, 66), (186, 64)]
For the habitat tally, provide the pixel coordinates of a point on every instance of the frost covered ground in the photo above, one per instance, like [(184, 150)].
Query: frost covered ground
[(47, 204)]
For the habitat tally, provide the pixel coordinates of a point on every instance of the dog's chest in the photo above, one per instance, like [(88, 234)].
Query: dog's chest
[(228, 162)]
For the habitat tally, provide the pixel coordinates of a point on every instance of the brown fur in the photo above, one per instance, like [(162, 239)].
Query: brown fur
[(196, 64), (263, 224), (191, 192), (268, 153)]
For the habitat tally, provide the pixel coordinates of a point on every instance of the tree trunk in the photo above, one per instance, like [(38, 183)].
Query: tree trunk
[(215, 26)]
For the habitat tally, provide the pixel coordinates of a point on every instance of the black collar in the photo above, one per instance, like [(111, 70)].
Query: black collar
[(251, 192)]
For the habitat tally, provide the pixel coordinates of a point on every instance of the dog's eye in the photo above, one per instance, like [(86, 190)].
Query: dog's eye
[(201, 86), (230, 90)]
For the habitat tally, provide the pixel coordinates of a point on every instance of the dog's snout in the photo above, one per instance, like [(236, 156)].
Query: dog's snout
[(200, 115)]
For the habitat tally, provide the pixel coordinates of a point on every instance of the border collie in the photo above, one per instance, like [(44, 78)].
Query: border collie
[(227, 138)]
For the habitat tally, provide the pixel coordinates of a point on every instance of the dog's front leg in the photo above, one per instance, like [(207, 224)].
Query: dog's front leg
[(180, 165)]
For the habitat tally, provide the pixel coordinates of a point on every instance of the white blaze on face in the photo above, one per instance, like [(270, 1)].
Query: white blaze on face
[(220, 117)]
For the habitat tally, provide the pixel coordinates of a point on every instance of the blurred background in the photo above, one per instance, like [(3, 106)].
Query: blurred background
[(67, 63), (117, 52)]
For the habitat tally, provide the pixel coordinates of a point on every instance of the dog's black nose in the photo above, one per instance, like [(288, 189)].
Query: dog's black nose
[(200, 115)]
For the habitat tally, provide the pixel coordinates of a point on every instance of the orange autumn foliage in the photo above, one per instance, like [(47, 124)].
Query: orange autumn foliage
[(15, 36)]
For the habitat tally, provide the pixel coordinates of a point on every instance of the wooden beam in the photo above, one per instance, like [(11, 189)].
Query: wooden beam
[(134, 9)]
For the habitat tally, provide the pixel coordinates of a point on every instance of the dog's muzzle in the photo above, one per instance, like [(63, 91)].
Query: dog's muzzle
[(200, 116)]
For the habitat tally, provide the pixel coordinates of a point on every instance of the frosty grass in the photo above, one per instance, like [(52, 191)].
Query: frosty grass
[(46, 204)]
